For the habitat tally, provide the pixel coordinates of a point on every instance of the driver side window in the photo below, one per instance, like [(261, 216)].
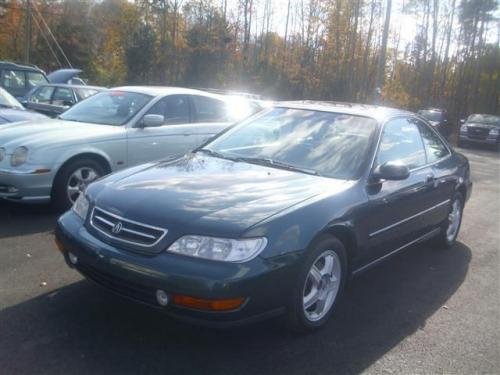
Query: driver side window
[(401, 142), (174, 108)]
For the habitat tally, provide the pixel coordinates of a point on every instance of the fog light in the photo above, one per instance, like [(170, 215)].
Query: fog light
[(73, 258), (162, 297)]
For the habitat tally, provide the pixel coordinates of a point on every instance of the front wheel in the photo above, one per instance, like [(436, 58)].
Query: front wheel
[(451, 226), (320, 283), (72, 180)]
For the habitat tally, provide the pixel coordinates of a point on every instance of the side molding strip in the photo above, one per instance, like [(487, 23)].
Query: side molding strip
[(426, 236), (409, 218)]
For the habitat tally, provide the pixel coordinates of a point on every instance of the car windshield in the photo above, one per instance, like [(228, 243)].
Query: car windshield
[(485, 119), (107, 108), (322, 143), (7, 100), (431, 115)]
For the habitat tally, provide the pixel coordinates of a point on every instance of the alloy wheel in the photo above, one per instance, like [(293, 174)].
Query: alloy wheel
[(78, 181), (453, 220), (322, 285)]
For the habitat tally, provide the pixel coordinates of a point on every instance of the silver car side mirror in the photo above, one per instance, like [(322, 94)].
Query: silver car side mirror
[(152, 121)]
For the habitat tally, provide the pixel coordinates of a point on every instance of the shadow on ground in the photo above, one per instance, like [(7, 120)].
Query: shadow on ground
[(21, 219), (84, 329)]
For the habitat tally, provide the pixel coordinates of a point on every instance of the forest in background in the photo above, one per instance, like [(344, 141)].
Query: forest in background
[(288, 49)]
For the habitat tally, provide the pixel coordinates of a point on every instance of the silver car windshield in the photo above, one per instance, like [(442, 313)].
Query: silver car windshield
[(107, 108), (7, 100), (485, 119), (322, 143)]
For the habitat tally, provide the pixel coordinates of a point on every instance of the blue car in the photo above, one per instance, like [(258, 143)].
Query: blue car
[(12, 111)]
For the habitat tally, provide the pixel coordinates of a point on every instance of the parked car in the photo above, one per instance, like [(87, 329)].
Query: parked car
[(272, 216), (54, 99), (55, 159), (19, 79), (480, 129), (439, 119), (12, 111)]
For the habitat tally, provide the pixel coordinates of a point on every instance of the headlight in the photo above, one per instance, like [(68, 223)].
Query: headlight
[(2, 153), (494, 131), (81, 206), (222, 249), (19, 156), (463, 128)]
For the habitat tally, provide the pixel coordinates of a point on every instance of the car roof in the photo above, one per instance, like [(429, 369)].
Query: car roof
[(376, 112), (19, 66), (72, 86), (165, 90)]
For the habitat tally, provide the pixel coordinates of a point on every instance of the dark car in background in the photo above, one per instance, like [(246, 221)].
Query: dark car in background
[(54, 99), (19, 79), (12, 111), (439, 119), (480, 129), (272, 216)]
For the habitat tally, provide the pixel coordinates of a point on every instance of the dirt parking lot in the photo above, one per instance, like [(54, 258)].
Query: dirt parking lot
[(426, 310)]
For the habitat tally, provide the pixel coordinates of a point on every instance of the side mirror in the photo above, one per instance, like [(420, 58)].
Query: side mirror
[(391, 171), (462, 121), (67, 103), (152, 121)]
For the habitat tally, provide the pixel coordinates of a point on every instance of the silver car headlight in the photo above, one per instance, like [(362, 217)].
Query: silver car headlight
[(2, 153), (221, 249), (463, 128), (494, 131), (81, 206), (19, 156)]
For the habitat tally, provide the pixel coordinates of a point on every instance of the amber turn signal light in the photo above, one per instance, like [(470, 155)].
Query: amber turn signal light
[(207, 304)]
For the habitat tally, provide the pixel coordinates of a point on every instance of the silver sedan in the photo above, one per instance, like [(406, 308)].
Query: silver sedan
[(55, 159)]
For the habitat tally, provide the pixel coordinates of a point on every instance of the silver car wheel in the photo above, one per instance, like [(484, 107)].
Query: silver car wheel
[(454, 221), (78, 181), (322, 285)]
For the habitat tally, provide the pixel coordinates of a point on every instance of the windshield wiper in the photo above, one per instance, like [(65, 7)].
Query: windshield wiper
[(279, 164), (215, 154)]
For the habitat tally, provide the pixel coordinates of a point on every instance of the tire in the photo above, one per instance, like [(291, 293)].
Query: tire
[(445, 238), (66, 178), (301, 319)]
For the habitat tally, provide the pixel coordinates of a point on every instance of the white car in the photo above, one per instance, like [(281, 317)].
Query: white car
[(54, 159)]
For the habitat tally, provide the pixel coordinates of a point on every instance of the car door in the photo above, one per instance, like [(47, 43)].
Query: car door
[(63, 99), (398, 210), (443, 171), (173, 137), (40, 100)]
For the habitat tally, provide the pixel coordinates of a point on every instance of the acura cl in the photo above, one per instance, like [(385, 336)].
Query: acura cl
[(271, 217)]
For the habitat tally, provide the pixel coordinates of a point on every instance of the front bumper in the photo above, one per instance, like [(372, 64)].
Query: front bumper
[(264, 283), (489, 140), (26, 185)]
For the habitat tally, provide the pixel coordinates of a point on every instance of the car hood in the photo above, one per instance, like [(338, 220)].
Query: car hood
[(49, 132), (15, 115), (199, 194), (482, 125), (63, 75)]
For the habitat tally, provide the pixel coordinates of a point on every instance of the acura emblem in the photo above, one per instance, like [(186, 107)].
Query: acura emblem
[(117, 228)]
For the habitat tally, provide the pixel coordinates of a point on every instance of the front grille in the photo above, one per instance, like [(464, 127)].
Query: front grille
[(477, 132), (126, 231), (135, 291)]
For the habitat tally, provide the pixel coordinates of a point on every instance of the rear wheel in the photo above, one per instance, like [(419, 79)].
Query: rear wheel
[(319, 285), (72, 179), (451, 225)]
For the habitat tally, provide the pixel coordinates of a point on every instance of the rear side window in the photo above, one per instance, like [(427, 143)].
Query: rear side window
[(401, 142), (14, 79), (42, 95), (35, 79), (63, 96), (434, 147), (209, 109)]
